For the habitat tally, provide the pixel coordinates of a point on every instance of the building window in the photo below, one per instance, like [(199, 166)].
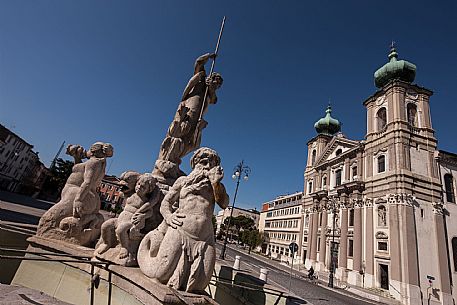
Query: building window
[(350, 248), (338, 177), (412, 114), (381, 117), (382, 216), (313, 157), (351, 217), (310, 187), (382, 246), (454, 251), (354, 172), (324, 181), (338, 152), (449, 187), (381, 164)]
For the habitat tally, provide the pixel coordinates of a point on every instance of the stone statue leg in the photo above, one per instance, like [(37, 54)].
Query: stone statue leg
[(201, 269), (163, 265), (122, 233), (108, 236)]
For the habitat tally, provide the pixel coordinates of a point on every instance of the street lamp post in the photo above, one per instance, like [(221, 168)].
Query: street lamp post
[(332, 247), (238, 171)]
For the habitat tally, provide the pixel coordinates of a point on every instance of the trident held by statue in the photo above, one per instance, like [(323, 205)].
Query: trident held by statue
[(212, 67)]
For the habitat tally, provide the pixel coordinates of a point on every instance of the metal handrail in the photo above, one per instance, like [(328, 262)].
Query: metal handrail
[(76, 259)]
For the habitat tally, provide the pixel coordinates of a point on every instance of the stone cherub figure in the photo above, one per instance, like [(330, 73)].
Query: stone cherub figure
[(120, 237), (76, 218), (181, 251), (184, 134)]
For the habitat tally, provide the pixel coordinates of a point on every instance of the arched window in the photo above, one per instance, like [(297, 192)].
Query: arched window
[(382, 216), (313, 157), (324, 181), (454, 251), (412, 114), (338, 177), (449, 187), (381, 117), (310, 187), (381, 164)]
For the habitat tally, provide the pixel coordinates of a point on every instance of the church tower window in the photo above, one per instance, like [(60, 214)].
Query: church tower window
[(313, 157), (381, 164), (449, 187), (381, 117)]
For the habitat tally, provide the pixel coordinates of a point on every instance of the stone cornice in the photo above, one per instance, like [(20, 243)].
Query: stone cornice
[(401, 199)]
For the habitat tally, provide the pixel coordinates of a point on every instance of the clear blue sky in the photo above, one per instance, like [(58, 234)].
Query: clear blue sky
[(84, 71)]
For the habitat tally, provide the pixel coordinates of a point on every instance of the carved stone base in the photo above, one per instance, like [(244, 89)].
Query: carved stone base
[(70, 282), (114, 255)]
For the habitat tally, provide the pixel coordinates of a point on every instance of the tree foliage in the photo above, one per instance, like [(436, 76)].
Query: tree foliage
[(252, 238), (59, 174), (236, 225)]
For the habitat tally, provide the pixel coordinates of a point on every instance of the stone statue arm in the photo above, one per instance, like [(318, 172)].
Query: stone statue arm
[(201, 61), (92, 170), (215, 176), (220, 195), (166, 207)]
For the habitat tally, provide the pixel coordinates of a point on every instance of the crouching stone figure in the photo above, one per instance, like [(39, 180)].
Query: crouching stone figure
[(181, 251), (120, 237)]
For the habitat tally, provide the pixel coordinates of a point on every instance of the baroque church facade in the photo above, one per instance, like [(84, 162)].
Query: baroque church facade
[(378, 211)]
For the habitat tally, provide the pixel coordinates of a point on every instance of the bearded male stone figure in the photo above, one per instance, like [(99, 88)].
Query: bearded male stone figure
[(181, 252)]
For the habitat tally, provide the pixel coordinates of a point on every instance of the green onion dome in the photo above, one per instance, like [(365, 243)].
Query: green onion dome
[(394, 69), (327, 125)]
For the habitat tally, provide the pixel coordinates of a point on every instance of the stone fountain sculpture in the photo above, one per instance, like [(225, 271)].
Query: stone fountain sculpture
[(76, 218), (181, 252), (184, 134), (120, 237)]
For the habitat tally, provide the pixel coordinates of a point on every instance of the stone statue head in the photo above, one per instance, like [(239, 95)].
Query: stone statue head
[(205, 158), (146, 184), (100, 150), (215, 80), (128, 182)]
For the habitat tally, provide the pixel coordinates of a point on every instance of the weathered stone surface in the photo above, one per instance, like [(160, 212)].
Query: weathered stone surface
[(184, 134), (76, 218), (120, 237), (129, 285), (17, 295), (181, 252)]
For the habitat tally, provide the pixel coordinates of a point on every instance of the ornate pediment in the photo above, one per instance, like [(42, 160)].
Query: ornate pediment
[(336, 143)]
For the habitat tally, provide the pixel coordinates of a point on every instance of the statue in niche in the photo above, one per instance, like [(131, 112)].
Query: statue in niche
[(181, 251), (382, 216), (76, 218), (120, 237), (184, 134)]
